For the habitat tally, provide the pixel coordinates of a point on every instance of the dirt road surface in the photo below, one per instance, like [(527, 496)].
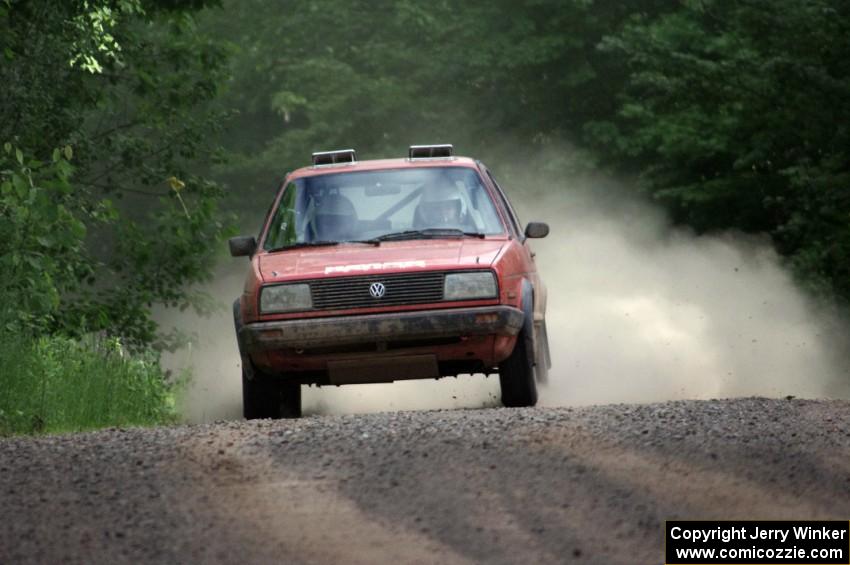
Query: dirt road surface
[(554, 485)]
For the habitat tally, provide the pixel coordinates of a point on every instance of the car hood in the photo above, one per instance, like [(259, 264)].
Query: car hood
[(395, 256)]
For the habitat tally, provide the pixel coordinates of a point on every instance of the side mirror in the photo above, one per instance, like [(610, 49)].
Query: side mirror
[(536, 229), (242, 245)]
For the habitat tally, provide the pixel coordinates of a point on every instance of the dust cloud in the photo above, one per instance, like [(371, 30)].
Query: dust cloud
[(638, 311)]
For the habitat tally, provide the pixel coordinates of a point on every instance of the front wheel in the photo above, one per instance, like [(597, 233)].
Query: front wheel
[(516, 375), (264, 396)]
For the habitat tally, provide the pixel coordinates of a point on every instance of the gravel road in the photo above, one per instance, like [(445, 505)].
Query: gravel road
[(554, 485)]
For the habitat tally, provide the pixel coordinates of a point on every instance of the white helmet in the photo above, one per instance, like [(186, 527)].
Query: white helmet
[(439, 206)]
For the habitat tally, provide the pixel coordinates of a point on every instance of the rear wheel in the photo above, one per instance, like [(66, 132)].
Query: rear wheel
[(516, 375), (264, 396)]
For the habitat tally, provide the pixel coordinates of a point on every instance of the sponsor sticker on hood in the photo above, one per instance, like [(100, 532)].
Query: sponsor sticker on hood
[(373, 266)]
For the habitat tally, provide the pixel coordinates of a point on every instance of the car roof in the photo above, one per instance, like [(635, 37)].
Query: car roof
[(382, 164)]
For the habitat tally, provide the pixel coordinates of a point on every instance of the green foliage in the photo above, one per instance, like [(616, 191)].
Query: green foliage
[(41, 237), (734, 116), (108, 120), (93, 27), (108, 112), (56, 384)]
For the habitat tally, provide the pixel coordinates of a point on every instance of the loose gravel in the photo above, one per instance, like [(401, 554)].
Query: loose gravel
[(544, 485)]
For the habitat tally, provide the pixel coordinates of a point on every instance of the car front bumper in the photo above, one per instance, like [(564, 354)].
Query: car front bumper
[(347, 330)]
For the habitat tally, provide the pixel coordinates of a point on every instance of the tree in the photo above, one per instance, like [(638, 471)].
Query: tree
[(734, 114), (108, 121)]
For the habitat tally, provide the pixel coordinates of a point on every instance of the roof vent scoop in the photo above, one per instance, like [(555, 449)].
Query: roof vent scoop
[(340, 156), (431, 151)]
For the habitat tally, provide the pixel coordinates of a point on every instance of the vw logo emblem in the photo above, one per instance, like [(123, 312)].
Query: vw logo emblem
[(377, 290)]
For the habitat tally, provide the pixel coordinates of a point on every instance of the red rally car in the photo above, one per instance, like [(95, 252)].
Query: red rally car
[(383, 270)]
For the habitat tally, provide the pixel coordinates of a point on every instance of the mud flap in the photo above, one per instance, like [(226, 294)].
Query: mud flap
[(247, 366), (542, 358), (528, 320), (535, 332)]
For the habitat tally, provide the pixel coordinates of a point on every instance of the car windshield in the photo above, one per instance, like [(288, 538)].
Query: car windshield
[(390, 204)]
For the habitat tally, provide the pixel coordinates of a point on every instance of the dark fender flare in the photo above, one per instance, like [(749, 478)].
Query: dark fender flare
[(528, 311)]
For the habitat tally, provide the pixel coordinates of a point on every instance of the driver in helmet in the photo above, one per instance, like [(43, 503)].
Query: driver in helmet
[(440, 207)]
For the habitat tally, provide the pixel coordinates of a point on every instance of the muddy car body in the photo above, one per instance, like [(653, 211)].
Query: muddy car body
[(383, 270)]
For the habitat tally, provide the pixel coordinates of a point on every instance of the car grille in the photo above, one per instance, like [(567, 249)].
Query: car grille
[(353, 292)]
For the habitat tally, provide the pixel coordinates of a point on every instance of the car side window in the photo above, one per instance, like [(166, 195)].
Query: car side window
[(282, 230), (513, 218)]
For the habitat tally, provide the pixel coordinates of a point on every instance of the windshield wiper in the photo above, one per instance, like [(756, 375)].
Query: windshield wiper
[(303, 244), (375, 242), (323, 243), (427, 233)]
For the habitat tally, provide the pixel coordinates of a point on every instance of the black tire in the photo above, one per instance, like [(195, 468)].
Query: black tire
[(516, 375), (264, 396)]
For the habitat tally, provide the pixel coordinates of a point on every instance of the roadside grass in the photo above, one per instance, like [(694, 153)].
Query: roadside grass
[(56, 384)]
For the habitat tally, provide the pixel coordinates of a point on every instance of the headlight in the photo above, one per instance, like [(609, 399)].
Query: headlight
[(469, 286), (285, 298)]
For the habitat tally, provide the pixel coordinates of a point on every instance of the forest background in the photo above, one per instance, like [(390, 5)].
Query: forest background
[(138, 134)]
